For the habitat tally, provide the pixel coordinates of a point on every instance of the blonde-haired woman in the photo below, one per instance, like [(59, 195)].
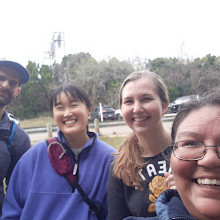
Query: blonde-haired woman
[(136, 176)]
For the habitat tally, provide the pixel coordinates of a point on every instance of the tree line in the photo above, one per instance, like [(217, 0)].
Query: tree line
[(102, 80)]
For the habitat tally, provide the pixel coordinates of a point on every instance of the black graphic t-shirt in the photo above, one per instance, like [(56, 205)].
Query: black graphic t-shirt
[(127, 201)]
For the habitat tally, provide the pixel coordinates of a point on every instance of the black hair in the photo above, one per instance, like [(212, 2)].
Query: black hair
[(71, 91)]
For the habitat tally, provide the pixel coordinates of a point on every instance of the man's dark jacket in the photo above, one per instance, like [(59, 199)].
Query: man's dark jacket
[(20, 143)]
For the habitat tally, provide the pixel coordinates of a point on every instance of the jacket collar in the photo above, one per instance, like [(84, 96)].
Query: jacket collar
[(93, 136), (170, 204), (5, 121)]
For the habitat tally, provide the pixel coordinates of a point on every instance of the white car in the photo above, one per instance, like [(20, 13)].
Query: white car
[(177, 103), (118, 114)]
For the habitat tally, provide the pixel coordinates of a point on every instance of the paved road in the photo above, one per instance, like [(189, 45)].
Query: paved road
[(119, 130)]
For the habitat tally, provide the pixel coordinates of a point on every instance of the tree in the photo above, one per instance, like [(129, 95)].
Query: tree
[(35, 95), (102, 80)]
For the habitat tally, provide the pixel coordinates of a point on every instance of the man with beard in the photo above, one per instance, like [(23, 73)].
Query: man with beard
[(14, 141)]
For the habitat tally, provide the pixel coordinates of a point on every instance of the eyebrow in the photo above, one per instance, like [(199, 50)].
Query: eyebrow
[(127, 97), (71, 101), (3, 78), (57, 103), (142, 95), (188, 134)]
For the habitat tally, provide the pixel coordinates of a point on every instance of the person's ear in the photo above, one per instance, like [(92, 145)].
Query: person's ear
[(165, 108), (18, 92), (90, 110)]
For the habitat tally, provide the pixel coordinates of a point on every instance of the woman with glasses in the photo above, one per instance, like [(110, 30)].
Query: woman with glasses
[(195, 162)]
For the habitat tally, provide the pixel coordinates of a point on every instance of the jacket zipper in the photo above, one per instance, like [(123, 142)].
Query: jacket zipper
[(76, 162), (75, 168)]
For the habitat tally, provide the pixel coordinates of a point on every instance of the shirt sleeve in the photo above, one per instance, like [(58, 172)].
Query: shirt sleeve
[(117, 206)]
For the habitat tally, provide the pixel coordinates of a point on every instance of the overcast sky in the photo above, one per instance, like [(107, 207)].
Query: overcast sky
[(110, 28)]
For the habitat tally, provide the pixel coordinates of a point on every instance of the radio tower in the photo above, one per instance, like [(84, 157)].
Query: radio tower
[(57, 49)]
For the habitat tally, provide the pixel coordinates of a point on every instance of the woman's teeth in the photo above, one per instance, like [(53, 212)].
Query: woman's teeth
[(208, 182), (69, 122)]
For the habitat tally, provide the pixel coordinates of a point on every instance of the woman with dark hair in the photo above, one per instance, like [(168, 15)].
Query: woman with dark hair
[(136, 176), (195, 163), (66, 179)]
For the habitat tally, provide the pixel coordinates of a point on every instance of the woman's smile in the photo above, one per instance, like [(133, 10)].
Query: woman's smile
[(206, 181), (140, 118), (70, 122)]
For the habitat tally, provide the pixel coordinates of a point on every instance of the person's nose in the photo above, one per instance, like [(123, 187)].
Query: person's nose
[(211, 158), (137, 107), (68, 112), (5, 84)]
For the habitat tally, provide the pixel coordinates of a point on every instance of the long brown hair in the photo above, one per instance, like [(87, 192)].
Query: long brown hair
[(128, 160)]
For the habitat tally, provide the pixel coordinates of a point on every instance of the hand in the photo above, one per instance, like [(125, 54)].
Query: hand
[(170, 181)]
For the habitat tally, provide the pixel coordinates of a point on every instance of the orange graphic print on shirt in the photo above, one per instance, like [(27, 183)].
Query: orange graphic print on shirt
[(156, 186)]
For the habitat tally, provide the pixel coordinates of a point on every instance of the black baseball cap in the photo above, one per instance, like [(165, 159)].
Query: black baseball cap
[(24, 75)]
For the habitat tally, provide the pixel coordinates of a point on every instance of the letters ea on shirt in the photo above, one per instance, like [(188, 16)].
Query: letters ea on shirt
[(151, 170)]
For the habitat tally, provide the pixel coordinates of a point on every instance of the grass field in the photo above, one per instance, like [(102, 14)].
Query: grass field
[(37, 122), (113, 141)]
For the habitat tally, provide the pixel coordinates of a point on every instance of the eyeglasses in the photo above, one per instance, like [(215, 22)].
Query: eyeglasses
[(192, 150)]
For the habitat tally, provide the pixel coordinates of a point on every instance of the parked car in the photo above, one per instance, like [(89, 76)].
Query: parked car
[(108, 113), (118, 114), (174, 106)]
